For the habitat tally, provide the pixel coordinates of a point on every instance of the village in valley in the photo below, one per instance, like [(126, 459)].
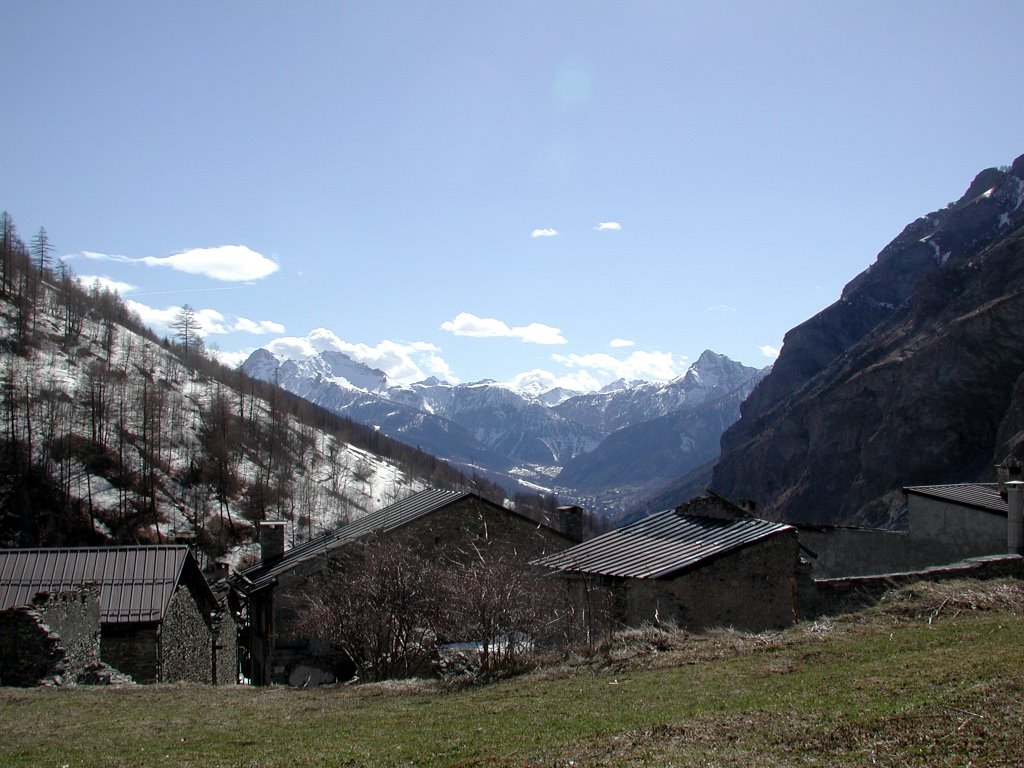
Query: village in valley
[(494, 385)]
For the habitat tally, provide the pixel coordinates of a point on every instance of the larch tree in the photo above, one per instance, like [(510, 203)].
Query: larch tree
[(186, 326), (41, 249)]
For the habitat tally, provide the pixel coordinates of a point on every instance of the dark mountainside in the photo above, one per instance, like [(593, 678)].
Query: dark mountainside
[(913, 377)]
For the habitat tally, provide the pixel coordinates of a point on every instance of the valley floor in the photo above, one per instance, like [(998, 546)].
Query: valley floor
[(931, 676)]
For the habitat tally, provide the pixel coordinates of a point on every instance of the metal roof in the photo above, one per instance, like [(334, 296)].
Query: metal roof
[(660, 545), (383, 520), (983, 496), (136, 583)]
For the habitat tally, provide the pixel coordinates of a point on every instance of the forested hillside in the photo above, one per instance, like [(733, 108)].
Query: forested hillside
[(112, 434)]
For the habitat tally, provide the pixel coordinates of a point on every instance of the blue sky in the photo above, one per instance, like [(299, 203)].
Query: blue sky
[(485, 189)]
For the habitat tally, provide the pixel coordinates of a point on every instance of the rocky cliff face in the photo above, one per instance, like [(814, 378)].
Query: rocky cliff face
[(911, 377)]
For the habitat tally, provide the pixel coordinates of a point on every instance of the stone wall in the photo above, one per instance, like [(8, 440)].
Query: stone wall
[(753, 588), (832, 596), (938, 532), (56, 639), (133, 649), (854, 551), (942, 532), (226, 650), (186, 641)]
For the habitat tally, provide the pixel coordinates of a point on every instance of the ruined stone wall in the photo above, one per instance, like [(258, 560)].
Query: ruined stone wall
[(186, 641), (753, 588), (133, 649), (56, 639)]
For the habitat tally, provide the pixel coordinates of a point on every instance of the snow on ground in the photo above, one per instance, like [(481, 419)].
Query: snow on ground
[(153, 411)]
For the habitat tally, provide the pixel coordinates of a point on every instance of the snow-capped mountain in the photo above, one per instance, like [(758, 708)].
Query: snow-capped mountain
[(529, 432), (622, 404)]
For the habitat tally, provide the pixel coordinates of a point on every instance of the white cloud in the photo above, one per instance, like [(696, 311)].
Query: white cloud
[(468, 324), (577, 381), (721, 308), (652, 366), (106, 283), (545, 232), (210, 320), (232, 359), (404, 363), (246, 325), (769, 351), (229, 263), (608, 226), (292, 347), (159, 319), (620, 343)]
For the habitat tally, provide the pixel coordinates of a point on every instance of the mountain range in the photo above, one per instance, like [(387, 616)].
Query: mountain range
[(547, 440)]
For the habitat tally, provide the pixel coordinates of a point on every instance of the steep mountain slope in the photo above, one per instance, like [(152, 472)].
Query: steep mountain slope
[(911, 377), (109, 434)]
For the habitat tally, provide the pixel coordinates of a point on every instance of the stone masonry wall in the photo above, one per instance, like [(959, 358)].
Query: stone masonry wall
[(186, 641), (751, 589), (56, 639), (133, 649), (227, 650)]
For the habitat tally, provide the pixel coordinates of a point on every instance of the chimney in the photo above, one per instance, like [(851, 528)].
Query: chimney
[(1015, 517), (570, 520), (271, 541)]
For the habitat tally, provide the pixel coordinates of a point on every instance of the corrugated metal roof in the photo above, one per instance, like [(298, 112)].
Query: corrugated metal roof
[(136, 583), (659, 545), (984, 496), (382, 521)]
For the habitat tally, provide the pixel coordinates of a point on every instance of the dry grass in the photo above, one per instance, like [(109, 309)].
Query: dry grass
[(931, 676)]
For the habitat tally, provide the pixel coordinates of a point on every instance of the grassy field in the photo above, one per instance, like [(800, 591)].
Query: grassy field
[(933, 676)]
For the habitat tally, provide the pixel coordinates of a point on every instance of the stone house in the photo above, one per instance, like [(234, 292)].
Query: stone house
[(944, 524), (158, 619), (447, 526), (704, 564)]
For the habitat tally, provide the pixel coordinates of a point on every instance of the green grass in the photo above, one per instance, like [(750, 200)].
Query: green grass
[(902, 685)]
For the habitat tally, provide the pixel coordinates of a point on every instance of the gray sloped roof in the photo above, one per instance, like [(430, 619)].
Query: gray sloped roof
[(983, 496), (660, 545), (136, 583), (383, 520)]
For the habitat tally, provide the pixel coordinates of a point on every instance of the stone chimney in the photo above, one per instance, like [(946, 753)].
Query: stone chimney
[(271, 541), (1015, 517), (570, 522)]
